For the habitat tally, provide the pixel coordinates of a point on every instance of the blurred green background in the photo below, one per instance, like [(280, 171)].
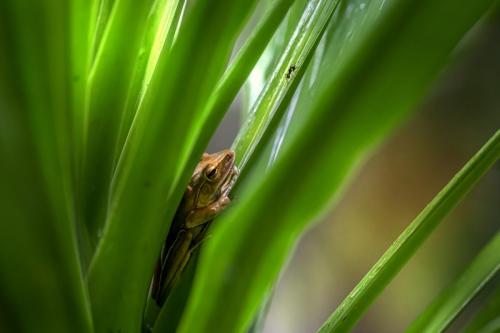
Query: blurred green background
[(459, 114)]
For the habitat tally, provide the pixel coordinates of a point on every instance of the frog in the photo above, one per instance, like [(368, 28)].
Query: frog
[(205, 197)]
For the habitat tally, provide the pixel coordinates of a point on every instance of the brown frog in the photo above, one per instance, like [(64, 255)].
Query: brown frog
[(205, 197)]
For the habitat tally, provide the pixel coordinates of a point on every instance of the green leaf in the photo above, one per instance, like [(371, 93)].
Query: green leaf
[(82, 15), (445, 308), (234, 77), (363, 92), (391, 262), (148, 182), (159, 38), (108, 87), (101, 13), (308, 31), (219, 101), (41, 282), (488, 318), (266, 125)]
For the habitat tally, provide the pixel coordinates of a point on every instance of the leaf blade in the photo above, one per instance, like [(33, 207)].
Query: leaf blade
[(41, 280), (147, 184), (354, 305), (445, 308), (485, 319), (349, 115)]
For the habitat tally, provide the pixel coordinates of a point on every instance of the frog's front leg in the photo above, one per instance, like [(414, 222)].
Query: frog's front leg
[(203, 215)]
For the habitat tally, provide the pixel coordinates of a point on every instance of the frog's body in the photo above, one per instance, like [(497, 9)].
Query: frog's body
[(205, 197)]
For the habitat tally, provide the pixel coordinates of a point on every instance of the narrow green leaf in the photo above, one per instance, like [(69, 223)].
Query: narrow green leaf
[(260, 319), (488, 318), (159, 38), (391, 262), (101, 13), (81, 55), (271, 55), (108, 87), (271, 130), (234, 77), (41, 282), (308, 31), (147, 185), (205, 125), (364, 92), (444, 309)]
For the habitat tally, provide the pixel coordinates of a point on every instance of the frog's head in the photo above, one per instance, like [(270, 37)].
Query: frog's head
[(211, 175)]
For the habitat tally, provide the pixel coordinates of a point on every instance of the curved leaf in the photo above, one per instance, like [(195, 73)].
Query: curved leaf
[(391, 262), (148, 184), (159, 38), (41, 281), (309, 29), (106, 95), (205, 125), (488, 318), (441, 312), (366, 92)]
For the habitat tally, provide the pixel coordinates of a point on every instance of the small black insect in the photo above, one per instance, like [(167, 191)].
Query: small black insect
[(291, 69)]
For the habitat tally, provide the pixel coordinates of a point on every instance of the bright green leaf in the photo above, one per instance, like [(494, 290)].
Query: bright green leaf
[(488, 318), (148, 182), (391, 262), (41, 281), (444, 309), (365, 91)]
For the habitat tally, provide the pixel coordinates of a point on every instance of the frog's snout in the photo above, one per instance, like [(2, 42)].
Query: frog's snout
[(230, 156)]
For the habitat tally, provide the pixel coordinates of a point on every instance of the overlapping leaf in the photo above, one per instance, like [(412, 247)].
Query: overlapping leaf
[(365, 91), (149, 180), (40, 276), (391, 262)]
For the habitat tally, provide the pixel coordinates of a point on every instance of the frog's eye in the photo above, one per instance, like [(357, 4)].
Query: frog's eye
[(211, 173)]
